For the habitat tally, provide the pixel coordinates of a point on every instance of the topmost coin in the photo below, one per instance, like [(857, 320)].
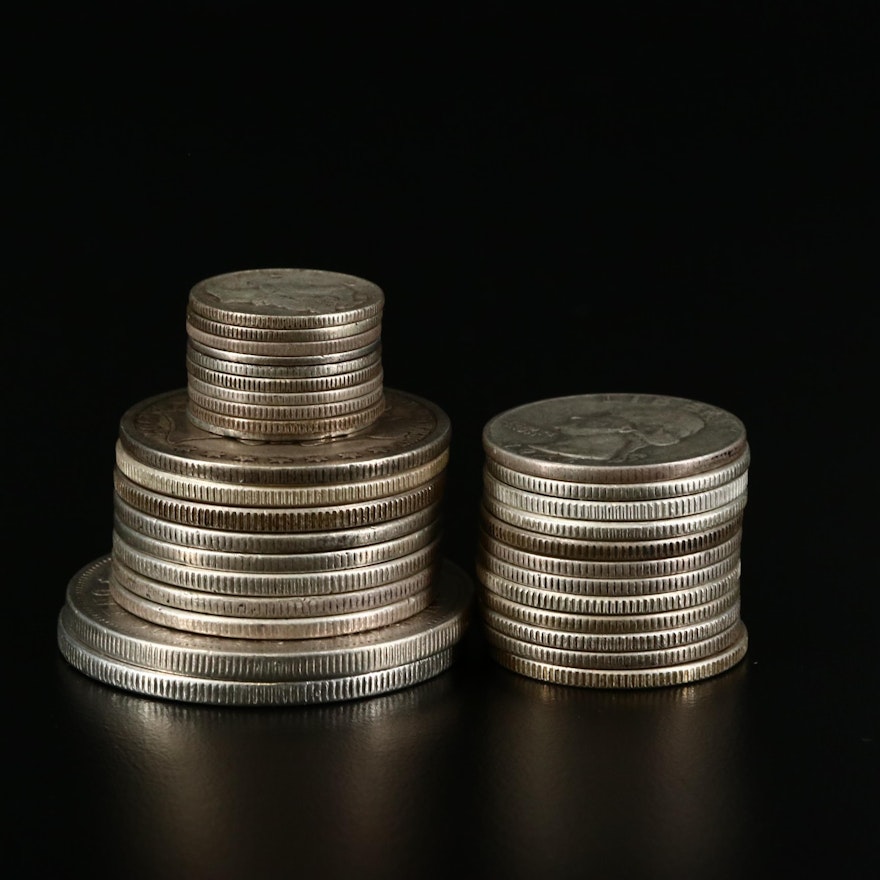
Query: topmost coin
[(614, 438), (286, 298)]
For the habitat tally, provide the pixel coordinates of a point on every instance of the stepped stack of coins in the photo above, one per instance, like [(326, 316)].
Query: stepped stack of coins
[(610, 537), (249, 567)]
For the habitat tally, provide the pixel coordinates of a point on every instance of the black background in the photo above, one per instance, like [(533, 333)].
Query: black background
[(668, 198)]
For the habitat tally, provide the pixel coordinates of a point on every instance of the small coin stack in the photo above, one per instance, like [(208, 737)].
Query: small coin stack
[(610, 536), (262, 560), (259, 370)]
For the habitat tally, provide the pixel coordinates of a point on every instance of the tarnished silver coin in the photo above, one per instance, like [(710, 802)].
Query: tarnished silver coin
[(278, 519), (273, 430), (273, 583), (609, 603), (614, 530), (294, 370), (614, 438), (288, 401), (612, 624), (308, 389), (600, 569), (637, 643), (349, 543), (409, 432), (260, 495), (220, 692), (321, 560), (613, 492), (91, 618), (288, 350), (334, 602), (281, 334), (236, 626), (262, 359), (286, 298), (614, 511), (271, 412), (631, 679), (607, 550), (610, 586), (617, 660)]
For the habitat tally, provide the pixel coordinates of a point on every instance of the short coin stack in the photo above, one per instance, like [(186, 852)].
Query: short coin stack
[(249, 572), (276, 355), (610, 536)]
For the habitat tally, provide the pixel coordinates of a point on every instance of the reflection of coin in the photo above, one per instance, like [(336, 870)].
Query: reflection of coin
[(614, 438), (661, 676), (286, 298), (409, 432)]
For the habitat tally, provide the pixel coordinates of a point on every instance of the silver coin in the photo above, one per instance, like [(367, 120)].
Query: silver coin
[(614, 438), (638, 643), (202, 346), (310, 412), (612, 624), (691, 485), (617, 660), (271, 628), (286, 298), (409, 432), (288, 349), (290, 371), (215, 692), (288, 607), (611, 530), (541, 581), (307, 388), (599, 604), (93, 619), (278, 519), (341, 541), (248, 428), (622, 511), (321, 560), (591, 568), (287, 400), (280, 334), (272, 583), (603, 550), (212, 492), (664, 676)]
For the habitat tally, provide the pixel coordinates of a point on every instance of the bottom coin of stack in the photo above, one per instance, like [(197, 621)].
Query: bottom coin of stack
[(610, 540), (271, 573)]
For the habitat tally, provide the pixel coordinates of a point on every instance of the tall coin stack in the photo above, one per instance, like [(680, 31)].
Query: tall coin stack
[(610, 537), (276, 523)]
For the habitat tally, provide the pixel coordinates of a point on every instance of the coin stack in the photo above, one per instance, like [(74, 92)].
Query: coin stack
[(261, 370), (251, 568), (610, 537)]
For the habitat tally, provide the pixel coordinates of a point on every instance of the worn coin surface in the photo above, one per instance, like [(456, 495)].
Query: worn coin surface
[(91, 618), (291, 298), (410, 431), (614, 438)]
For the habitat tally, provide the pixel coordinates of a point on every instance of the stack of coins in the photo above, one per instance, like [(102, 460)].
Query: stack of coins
[(278, 354), (256, 572), (610, 537)]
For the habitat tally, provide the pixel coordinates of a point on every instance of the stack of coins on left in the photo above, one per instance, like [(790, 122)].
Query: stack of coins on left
[(255, 564)]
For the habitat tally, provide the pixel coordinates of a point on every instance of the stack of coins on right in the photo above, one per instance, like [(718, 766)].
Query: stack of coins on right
[(610, 537)]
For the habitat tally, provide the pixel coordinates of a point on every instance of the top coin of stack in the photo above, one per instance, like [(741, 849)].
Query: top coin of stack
[(610, 537), (284, 354)]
